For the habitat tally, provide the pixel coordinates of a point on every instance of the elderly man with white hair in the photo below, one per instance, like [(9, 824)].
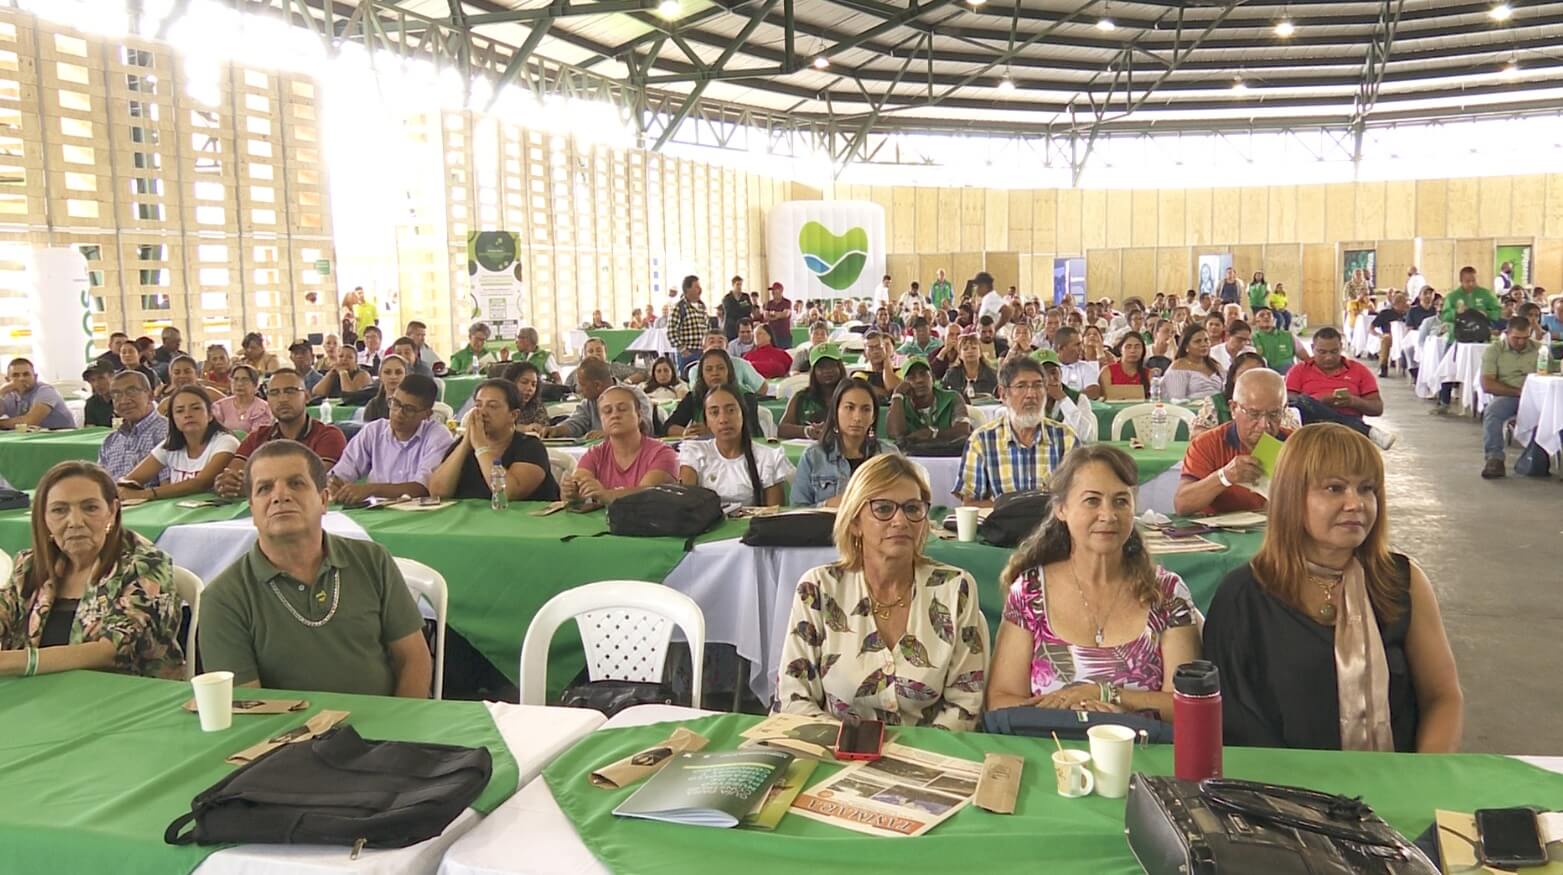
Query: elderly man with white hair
[(1219, 467)]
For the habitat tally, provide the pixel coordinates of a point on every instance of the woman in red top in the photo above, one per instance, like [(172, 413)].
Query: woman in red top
[(769, 360), (1129, 369)]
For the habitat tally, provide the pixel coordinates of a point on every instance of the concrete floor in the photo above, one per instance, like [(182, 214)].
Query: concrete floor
[(1494, 553)]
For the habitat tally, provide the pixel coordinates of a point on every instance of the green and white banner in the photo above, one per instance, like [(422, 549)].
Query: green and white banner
[(827, 249), (495, 285)]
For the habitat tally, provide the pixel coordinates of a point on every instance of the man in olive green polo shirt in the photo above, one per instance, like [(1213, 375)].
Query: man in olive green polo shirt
[(1505, 365), (306, 610)]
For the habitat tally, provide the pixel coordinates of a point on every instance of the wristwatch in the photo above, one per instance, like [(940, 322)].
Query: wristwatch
[(1221, 474)]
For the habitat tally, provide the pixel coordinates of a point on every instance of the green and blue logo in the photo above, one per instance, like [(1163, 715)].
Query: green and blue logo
[(837, 260)]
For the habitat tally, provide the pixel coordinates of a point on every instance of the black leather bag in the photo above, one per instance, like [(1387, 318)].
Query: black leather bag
[(1222, 826), (11, 499), (339, 789), (1472, 326), (1014, 516), (803, 528), (611, 697), (1066, 723), (667, 510), (947, 448)]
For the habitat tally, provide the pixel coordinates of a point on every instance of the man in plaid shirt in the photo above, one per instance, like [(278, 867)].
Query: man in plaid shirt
[(688, 323), (1019, 450), (141, 429)]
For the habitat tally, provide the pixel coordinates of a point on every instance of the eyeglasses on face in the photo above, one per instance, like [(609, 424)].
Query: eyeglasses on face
[(884, 509), (398, 407), (1273, 416)]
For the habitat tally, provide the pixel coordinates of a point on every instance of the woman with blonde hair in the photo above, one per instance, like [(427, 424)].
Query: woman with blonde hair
[(1090, 622), (1327, 639), (885, 633)]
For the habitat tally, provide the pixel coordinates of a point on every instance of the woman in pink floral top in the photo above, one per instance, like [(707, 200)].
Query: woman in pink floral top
[(1090, 623)]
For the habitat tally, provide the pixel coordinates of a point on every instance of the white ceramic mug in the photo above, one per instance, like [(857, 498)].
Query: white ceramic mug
[(1112, 758), (966, 523), (214, 699), (1072, 768)]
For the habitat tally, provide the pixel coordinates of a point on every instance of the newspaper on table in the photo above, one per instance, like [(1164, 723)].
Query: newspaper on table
[(907, 792)]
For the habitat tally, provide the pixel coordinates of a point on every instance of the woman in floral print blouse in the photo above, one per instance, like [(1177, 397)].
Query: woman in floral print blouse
[(1090, 623), (90, 593), (885, 633)]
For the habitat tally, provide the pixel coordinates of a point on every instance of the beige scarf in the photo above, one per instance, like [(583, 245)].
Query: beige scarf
[(1361, 669)]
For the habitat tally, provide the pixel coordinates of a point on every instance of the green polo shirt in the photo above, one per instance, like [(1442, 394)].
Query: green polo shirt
[(1477, 298), (1510, 367), (246, 629), (1277, 346)]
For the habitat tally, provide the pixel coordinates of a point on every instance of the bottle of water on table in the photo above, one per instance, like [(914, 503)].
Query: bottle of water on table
[(1159, 418), (325, 410), (500, 497)]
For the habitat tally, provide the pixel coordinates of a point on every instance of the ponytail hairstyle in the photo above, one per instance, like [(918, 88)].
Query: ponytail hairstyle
[(745, 440)]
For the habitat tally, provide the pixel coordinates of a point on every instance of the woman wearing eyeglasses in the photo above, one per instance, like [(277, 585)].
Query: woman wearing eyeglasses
[(885, 633)]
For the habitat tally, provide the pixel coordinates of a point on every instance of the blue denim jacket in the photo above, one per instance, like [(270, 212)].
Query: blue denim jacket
[(821, 475)]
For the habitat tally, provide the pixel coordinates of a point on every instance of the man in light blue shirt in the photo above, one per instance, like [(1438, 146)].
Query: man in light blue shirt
[(395, 455), (739, 346), (1552, 323), (25, 401), (744, 373), (923, 342), (302, 352)]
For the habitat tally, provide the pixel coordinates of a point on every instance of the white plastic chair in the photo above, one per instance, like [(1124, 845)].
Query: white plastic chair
[(429, 585), (187, 587), (625, 628), (439, 385), (791, 386), (72, 388), (442, 412), (1140, 415), (561, 463), (767, 422)]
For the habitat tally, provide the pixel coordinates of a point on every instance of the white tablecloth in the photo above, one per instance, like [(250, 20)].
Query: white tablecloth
[(1429, 358), (1361, 335), (535, 736), (652, 340), (1541, 412), (574, 341), (208, 548), (1462, 363), (530, 834)]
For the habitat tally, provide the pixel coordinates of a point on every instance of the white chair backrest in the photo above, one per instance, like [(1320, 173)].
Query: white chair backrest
[(1140, 415), (442, 412), (625, 627), (439, 386), (429, 585), (791, 386), (69, 389), (5, 567), (78, 409), (562, 463), (188, 587), (767, 421)]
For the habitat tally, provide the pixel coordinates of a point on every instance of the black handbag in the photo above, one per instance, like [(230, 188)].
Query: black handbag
[(802, 528), (1014, 516), (1472, 326), (610, 697), (939, 447), (339, 789), (1044, 722), (666, 510), (11, 499), (1221, 826)]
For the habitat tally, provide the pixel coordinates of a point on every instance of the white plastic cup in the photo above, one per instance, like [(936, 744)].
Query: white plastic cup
[(1112, 758), (966, 523), (214, 699)]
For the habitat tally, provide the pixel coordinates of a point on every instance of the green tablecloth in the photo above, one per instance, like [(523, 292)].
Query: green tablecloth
[(1152, 463), (148, 520), (502, 566), (1047, 833), (1106, 410), (97, 765), (459, 389), (616, 340), (25, 458), (800, 335)]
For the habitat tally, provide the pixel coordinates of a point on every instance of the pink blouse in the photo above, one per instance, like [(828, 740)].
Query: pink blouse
[(257, 416), (654, 456)]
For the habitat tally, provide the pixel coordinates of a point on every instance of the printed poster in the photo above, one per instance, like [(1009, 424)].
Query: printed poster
[(496, 286)]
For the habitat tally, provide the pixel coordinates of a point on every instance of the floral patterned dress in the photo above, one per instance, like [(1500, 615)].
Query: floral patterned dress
[(132, 605), (1056, 663), (835, 663)]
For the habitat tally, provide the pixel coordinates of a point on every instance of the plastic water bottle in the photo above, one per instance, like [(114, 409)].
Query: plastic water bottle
[(325, 410), (1544, 355), (1159, 426), (1155, 390), (500, 497), (1196, 711)]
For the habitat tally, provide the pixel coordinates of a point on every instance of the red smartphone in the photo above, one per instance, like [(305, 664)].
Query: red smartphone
[(862, 740)]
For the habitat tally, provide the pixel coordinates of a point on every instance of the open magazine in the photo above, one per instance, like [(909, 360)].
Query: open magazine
[(906, 792), (708, 789)]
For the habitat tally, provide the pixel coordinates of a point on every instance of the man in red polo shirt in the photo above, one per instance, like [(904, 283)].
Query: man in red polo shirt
[(285, 395), (1333, 388), (1219, 465)]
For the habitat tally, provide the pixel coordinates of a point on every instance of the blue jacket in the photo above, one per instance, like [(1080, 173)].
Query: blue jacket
[(821, 475)]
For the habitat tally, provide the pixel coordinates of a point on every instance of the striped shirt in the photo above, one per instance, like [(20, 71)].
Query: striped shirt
[(996, 463)]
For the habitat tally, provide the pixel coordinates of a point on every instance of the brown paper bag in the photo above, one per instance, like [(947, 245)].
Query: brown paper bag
[(311, 728), (1000, 783), (643, 764), (260, 706)]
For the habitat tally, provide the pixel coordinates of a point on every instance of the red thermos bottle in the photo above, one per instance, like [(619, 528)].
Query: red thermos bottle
[(1196, 720)]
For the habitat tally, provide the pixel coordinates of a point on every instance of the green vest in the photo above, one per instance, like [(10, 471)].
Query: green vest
[(1276, 346), (939, 415)]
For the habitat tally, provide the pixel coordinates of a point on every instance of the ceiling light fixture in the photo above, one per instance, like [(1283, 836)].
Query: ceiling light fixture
[(1284, 28), (1238, 85), (1511, 70), (976, 2), (669, 8), (1105, 24), (1501, 12), (821, 62), (1006, 84)]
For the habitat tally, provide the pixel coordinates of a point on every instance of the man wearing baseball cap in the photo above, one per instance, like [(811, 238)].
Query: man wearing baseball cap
[(921, 411), (778, 317)]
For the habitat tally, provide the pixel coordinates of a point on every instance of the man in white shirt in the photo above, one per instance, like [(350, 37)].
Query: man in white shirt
[(1415, 282), (1065, 406), (991, 302), (1078, 374), (882, 294), (1239, 339)]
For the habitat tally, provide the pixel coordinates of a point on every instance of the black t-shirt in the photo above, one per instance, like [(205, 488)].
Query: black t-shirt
[(1416, 314), (1386, 318), (734, 309), (688, 410), (98, 411), (523, 448), (1277, 668)]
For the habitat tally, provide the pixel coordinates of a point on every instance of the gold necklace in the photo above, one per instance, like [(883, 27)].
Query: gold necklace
[(1327, 611), (1099, 623), (883, 610)]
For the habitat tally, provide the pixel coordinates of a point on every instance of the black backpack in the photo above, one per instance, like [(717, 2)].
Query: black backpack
[(339, 789), (667, 510), (1472, 326), (1014, 516), (799, 528)]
